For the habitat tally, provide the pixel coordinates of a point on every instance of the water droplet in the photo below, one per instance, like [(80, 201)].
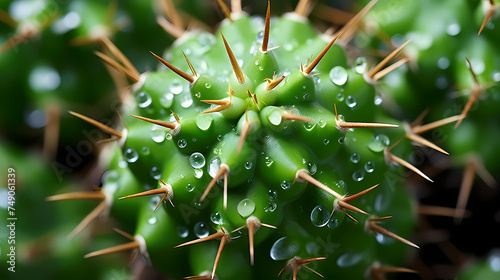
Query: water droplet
[(442, 82), (271, 207), (204, 121), (213, 166), (157, 134), (269, 161), (182, 143), (341, 184), (216, 218), (44, 79), (110, 180), (284, 248), (358, 175), (248, 165), (316, 80), (341, 140), (36, 118), (208, 85), (275, 117), (152, 220), (360, 65), (272, 194), (494, 260), (197, 160), (186, 100), (351, 101), (182, 231), (145, 151), (285, 185), (349, 259), (155, 173), (198, 173), (333, 223), (383, 239), (453, 29), (189, 187), (477, 65), (495, 75), (154, 201), (326, 141), (319, 216), (131, 155), (312, 168), (377, 100), (443, 63), (340, 97), (166, 100), (379, 143), (246, 207), (200, 230), (122, 164), (369, 166), (143, 99), (168, 136), (309, 126), (260, 37), (355, 158), (338, 75), (175, 87)]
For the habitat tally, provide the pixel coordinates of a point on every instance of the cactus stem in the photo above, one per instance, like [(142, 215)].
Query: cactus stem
[(315, 62), (378, 67), (439, 211), (169, 27), (223, 171), (302, 174), (97, 124), (223, 104), (190, 65), (304, 8), (296, 262), (487, 16), (274, 82), (419, 129), (343, 125), (389, 69), (244, 132), (290, 116), (165, 189), (172, 126), (473, 97), (377, 271), (350, 26), (265, 40), (372, 226), (225, 10), (234, 63), (119, 248), (177, 71), (390, 157), (89, 218), (98, 195)]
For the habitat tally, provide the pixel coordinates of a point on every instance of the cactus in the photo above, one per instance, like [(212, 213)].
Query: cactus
[(266, 146)]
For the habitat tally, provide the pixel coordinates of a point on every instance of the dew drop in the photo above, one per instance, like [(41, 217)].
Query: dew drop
[(341, 140), (284, 248), (341, 185), (349, 259), (145, 151), (131, 155), (260, 37), (200, 230), (269, 161), (175, 87), (154, 201), (157, 134), (44, 79), (358, 175), (122, 164), (379, 143), (246, 207), (443, 63), (213, 166), (369, 166), (197, 160), (355, 158), (182, 143), (216, 218), (377, 100), (182, 231), (495, 75), (453, 29), (152, 220), (338, 75), (319, 216), (198, 173), (340, 97), (271, 207), (285, 185), (333, 223), (312, 168), (360, 65), (168, 136), (143, 99), (275, 117), (383, 239), (326, 141), (36, 118), (351, 101), (189, 187), (309, 126), (248, 165), (316, 80), (166, 100), (155, 173), (186, 100), (272, 194)]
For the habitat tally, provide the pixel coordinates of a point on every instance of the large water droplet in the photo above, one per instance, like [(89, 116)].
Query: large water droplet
[(319, 216), (143, 99), (275, 117), (182, 143), (166, 100), (157, 134), (155, 173), (186, 100), (131, 155), (351, 101), (246, 207), (284, 248), (197, 160), (379, 143), (216, 218), (349, 259), (200, 230), (369, 166), (198, 173), (182, 231), (338, 75), (204, 121), (358, 175), (355, 158), (213, 166), (175, 87), (360, 65)]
